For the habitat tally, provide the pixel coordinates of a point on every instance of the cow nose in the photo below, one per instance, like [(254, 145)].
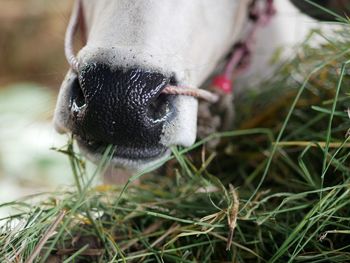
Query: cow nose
[(123, 107)]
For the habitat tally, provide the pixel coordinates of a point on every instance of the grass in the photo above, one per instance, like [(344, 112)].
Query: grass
[(276, 189)]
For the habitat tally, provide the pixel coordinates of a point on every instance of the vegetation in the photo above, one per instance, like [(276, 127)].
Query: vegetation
[(276, 189)]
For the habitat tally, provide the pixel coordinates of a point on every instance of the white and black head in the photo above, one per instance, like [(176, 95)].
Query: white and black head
[(134, 49)]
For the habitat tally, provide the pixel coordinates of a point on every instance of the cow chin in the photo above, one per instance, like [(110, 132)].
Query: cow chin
[(132, 164)]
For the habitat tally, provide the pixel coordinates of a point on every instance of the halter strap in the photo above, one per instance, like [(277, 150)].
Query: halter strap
[(70, 33), (240, 59)]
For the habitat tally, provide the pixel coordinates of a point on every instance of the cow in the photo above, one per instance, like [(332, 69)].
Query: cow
[(134, 49)]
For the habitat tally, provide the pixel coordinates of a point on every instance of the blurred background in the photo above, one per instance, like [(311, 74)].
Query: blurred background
[(31, 41), (31, 69)]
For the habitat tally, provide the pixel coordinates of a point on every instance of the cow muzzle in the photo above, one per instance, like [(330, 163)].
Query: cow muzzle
[(120, 107)]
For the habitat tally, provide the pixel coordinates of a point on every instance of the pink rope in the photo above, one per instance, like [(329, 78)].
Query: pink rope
[(186, 91)]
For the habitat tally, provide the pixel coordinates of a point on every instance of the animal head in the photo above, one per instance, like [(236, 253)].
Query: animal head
[(134, 49)]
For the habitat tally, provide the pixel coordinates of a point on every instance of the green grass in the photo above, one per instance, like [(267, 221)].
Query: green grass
[(287, 162)]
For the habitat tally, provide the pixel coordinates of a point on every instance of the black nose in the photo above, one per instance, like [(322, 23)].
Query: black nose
[(123, 107)]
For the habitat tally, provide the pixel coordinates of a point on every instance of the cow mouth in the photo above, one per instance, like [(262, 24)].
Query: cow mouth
[(123, 152)]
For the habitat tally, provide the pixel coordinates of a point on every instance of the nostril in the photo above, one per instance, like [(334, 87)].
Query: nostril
[(160, 109), (173, 81), (78, 102)]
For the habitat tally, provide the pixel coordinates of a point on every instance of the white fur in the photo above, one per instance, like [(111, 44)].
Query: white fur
[(183, 37)]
